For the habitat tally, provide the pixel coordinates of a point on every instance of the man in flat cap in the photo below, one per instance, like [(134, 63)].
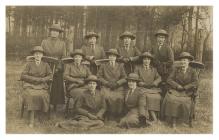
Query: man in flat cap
[(128, 53), (92, 50)]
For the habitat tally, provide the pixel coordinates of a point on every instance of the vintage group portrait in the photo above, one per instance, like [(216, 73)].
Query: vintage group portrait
[(109, 69)]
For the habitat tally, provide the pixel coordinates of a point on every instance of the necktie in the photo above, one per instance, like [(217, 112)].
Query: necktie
[(129, 93)]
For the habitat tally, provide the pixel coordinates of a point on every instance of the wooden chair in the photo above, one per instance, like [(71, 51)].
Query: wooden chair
[(198, 67)]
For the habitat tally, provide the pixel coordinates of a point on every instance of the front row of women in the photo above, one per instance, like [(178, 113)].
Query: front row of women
[(134, 99)]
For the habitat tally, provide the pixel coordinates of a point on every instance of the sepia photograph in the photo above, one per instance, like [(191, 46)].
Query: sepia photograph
[(109, 69)]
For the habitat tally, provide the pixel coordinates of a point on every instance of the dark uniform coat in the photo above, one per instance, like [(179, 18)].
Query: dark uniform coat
[(178, 103), (108, 74), (72, 74), (35, 87), (135, 106), (56, 48), (164, 58), (150, 77), (132, 53), (97, 52), (85, 105)]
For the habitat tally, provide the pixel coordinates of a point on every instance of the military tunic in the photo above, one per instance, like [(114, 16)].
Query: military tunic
[(72, 74), (132, 53), (150, 77), (35, 87), (178, 103), (109, 74), (97, 52), (135, 106), (55, 47), (164, 58), (85, 105)]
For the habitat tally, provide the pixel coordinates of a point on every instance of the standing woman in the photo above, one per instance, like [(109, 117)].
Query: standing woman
[(177, 102), (35, 88), (76, 73), (164, 57), (55, 47), (128, 52), (135, 104), (112, 76), (149, 81), (92, 50)]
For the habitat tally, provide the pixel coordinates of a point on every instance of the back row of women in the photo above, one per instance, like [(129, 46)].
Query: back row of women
[(118, 89)]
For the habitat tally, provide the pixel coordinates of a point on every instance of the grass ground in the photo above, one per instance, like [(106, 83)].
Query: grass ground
[(202, 124)]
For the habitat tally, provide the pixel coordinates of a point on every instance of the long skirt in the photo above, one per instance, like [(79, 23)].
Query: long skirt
[(153, 99), (176, 104), (131, 119), (57, 91), (81, 122), (36, 99), (115, 101)]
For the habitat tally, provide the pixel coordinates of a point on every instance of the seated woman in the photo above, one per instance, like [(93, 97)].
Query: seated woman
[(149, 80), (75, 74), (90, 108), (135, 104), (112, 76), (35, 88), (182, 80)]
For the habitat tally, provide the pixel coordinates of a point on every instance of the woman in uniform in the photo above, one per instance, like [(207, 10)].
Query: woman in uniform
[(35, 77), (135, 104), (182, 81), (112, 76), (89, 108), (55, 47), (75, 74), (149, 81)]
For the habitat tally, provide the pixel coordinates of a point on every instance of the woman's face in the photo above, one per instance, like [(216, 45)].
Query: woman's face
[(78, 58), (131, 84), (92, 40), (146, 61), (127, 41), (112, 57), (38, 56), (160, 40), (185, 62), (92, 85), (54, 33)]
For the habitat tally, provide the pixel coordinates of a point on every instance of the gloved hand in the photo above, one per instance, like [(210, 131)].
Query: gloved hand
[(91, 116), (180, 88), (142, 120), (80, 82), (126, 59), (141, 84), (114, 85)]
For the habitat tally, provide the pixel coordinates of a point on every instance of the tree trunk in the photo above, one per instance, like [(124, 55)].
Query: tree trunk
[(84, 20), (190, 30), (196, 33)]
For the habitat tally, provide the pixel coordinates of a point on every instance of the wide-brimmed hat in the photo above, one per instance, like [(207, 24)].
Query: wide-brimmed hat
[(91, 34), (37, 49), (161, 32), (56, 27), (186, 55), (133, 76), (77, 52), (92, 78), (113, 51), (127, 34), (146, 54)]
